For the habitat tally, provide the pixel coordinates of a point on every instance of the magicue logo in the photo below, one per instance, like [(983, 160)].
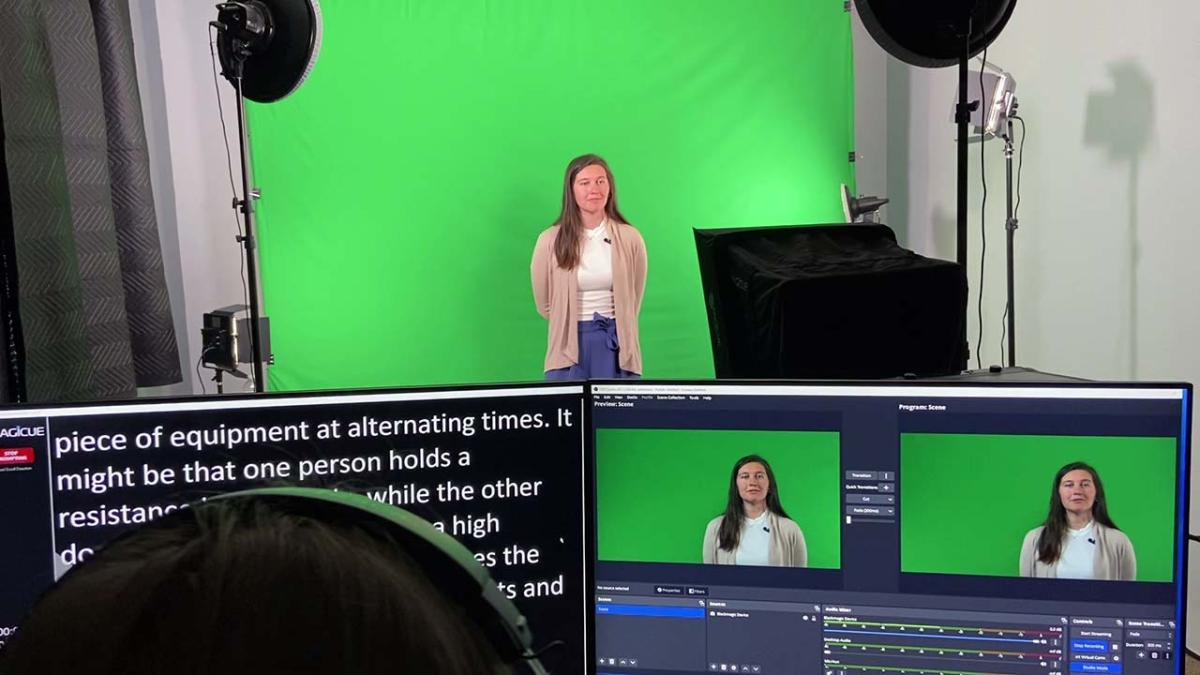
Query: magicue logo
[(21, 431)]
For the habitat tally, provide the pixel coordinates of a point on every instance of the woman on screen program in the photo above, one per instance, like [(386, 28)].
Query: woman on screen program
[(754, 530), (589, 275), (1078, 539)]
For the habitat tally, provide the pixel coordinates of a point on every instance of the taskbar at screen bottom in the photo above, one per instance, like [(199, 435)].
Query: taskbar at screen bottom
[(647, 628)]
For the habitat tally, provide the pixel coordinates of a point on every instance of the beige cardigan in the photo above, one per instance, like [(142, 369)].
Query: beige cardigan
[(556, 294), (786, 549), (1114, 561)]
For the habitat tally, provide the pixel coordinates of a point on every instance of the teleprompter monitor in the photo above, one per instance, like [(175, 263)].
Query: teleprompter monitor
[(499, 468)]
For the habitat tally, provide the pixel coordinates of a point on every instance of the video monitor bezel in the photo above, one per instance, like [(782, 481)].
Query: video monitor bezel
[(984, 385), (182, 404)]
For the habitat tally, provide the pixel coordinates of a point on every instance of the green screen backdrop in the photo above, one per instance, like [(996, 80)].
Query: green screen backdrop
[(405, 182), (967, 501), (657, 489)]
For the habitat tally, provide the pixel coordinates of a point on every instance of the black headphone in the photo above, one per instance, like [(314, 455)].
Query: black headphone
[(449, 566)]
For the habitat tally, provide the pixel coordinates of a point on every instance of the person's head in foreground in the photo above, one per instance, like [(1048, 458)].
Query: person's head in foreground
[(251, 585)]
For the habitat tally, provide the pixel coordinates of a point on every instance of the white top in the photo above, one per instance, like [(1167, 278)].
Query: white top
[(755, 544), (595, 274), (1078, 558)]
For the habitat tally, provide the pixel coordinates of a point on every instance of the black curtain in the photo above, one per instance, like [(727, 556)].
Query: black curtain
[(86, 274)]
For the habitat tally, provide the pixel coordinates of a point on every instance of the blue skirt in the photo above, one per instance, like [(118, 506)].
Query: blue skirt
[(598, 349)]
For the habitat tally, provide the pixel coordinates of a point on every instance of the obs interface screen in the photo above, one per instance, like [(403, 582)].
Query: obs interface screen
[(891, 530), (499, 469)]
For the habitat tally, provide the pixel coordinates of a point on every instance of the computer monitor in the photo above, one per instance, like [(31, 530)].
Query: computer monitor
[(892, 529), (500, 468)]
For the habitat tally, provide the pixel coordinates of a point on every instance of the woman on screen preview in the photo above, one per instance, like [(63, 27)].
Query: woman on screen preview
[(754, 530), (589, 274), (1078, 540)]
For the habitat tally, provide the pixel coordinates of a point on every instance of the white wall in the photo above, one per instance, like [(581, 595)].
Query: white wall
[(189, 169), (1105, 288), (1107, 280), (1105, 285)]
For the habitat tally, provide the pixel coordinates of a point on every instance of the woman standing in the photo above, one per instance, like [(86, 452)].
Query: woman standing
[(589, 274)]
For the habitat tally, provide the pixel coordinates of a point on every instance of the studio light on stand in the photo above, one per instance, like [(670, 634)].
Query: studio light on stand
[(267, 48), (993, 119), (225, 342), (999, 98), (936, 34), (861, 209)]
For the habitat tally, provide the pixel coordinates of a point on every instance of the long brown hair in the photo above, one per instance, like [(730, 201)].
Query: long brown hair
[(1055, 527), (730, 532), (570, 224)]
